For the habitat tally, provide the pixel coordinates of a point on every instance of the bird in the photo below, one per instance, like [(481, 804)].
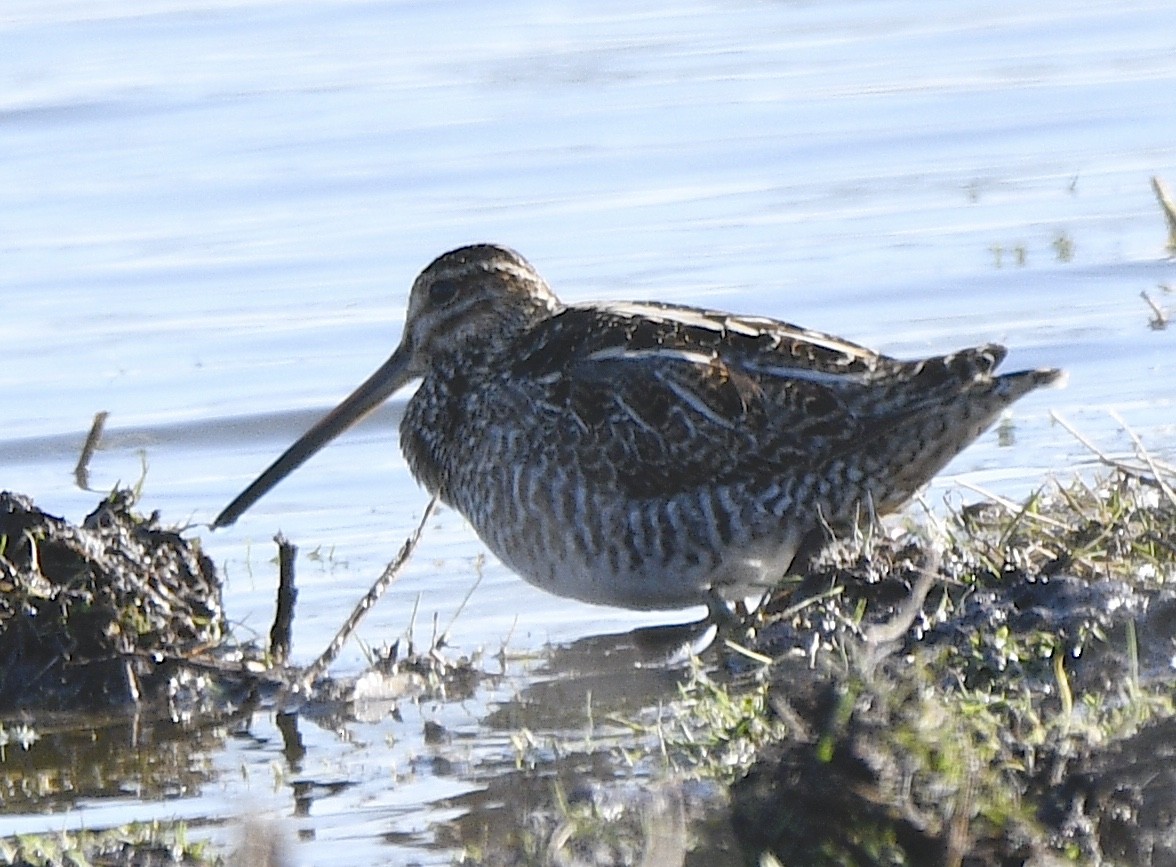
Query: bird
[(648, 455)]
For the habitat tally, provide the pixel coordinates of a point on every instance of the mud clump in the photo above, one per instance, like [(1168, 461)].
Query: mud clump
[(99, 615), (1024, 717)]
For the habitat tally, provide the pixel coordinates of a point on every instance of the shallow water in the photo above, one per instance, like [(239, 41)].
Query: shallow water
[(210, 215)]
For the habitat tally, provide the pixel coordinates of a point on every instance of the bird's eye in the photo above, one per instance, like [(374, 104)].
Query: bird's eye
[(441, 292)]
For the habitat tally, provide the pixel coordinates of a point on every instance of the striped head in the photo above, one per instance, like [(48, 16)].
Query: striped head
[(480, 293)]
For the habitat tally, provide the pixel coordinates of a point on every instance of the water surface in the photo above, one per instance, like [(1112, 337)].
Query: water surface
[(211, 213)]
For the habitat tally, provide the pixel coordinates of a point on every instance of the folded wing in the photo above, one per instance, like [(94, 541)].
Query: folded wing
[(670, 398)]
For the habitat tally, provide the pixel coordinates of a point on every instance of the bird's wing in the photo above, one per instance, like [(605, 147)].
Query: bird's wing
[(664, 398)]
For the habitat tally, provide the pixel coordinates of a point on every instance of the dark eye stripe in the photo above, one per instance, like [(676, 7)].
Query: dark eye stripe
[(442, 291)]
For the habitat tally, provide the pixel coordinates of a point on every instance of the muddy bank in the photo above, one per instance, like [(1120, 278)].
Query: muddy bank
[(1023, 717), (100, 615)]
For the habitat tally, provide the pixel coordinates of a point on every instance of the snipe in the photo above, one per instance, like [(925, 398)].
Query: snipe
[(653, 455)]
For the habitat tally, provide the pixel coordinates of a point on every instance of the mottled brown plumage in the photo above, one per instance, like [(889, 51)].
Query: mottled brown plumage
[(654, 455)]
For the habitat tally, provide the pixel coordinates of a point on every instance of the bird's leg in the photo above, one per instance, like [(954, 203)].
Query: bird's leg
[(719, 611), (732, 620)]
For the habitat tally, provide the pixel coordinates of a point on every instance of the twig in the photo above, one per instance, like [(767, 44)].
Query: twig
[(390, 573), (416, 607), (280, 632), (753, 655), (1013, 507), (1168, 208), (900, 622), (930, 515), (1103, 457), (82, 470), (796, 608), (1158, 469), (444, 639), (1146, 457), (1159, 320)]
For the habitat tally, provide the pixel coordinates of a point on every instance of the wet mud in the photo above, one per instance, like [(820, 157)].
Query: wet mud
[(100, 615)]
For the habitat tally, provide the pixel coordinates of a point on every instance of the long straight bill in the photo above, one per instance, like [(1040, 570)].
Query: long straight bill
[(377, 388)]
